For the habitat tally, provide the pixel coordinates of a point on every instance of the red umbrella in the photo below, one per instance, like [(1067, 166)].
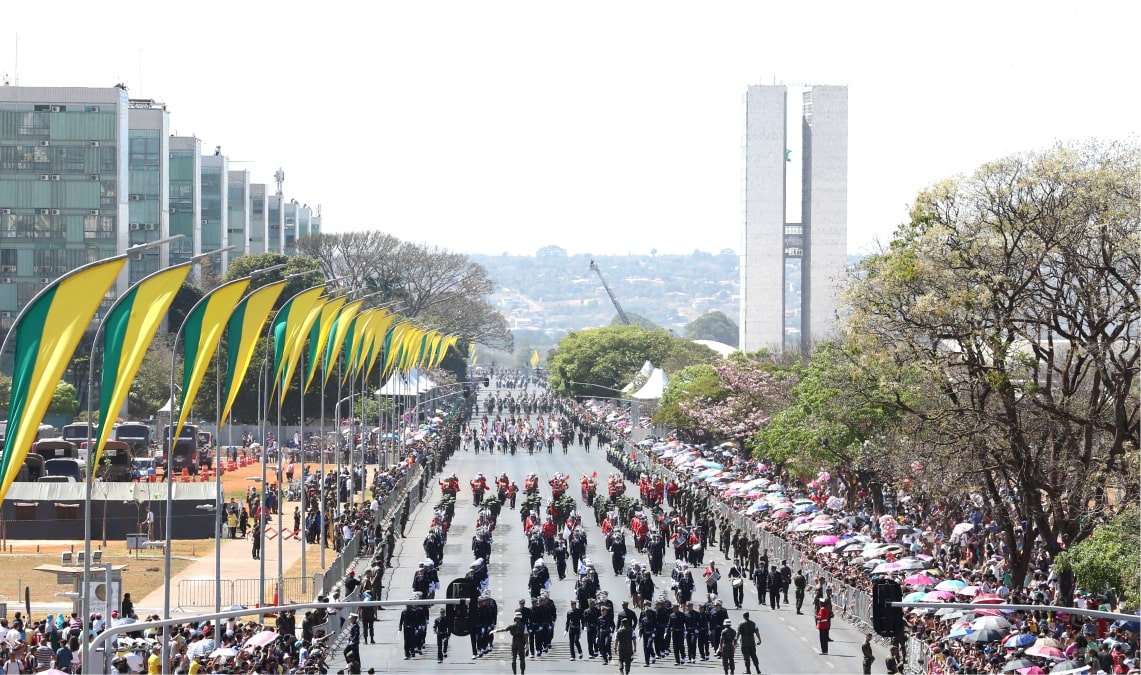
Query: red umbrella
[(988, 599)]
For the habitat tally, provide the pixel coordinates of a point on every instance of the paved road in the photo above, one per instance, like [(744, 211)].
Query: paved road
[(790, 644)]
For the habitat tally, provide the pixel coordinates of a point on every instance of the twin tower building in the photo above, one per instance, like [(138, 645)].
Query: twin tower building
[(794, 244)]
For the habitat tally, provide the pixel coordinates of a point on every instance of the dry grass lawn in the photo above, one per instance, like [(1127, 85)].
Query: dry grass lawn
[(145, 570)]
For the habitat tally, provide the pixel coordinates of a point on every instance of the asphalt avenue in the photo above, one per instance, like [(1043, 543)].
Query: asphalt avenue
[(790, 641)]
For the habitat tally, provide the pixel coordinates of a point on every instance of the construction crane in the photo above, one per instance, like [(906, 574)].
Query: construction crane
[(618, 307)]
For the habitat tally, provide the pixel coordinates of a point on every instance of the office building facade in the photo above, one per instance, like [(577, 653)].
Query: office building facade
[(148, 197), (85, 173), (773, 247), (63, 185)]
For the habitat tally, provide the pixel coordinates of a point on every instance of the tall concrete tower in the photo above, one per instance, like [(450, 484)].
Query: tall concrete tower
[(774, 248)]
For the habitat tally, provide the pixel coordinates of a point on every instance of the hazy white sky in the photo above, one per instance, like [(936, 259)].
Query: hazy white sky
[(602, 127)]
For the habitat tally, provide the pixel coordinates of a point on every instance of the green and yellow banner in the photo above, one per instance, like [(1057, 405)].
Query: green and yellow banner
[(379, 328), (297, 347), (128, 332), (242, 335), (286, 326), (319, 336), (341, 326), (201, 333), (47, 332)]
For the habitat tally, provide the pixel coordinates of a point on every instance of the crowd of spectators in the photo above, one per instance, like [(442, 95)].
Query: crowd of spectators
[(948, 539)]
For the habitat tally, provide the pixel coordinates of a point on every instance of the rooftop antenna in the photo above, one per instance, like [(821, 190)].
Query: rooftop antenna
[(279, 176)]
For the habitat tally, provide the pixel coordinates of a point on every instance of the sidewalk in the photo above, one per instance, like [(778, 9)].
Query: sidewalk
[(237, 563)]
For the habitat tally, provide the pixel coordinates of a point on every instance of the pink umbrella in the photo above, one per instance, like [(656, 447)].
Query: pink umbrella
[(1032, 670), (988, 599), (919, 580), (781, 514), (826, 540), (938, 596), (969, 591), (1046, 652), (261, 639)]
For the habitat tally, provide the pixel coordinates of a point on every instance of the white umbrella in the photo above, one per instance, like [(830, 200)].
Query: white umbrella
[(996, 622)]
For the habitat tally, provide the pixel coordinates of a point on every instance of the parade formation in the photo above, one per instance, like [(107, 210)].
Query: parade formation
[(618, 575)]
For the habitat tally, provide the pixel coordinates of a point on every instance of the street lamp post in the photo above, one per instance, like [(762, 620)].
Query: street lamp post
[(85, 602)]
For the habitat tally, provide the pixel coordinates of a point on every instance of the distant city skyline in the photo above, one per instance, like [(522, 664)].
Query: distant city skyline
[(610, 129)]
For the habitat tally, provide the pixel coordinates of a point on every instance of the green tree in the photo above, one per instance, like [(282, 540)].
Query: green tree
[(689, 383), (604, 357), (635, 320), (1008, 309), (713, 326), (151, 388), (183, 302), (308, 269), (64, 400), (836, 419), (1110, 559)]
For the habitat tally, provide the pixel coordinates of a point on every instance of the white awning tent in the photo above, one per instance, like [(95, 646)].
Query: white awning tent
[(643, 373), (654, 387), (720, 347), (407, 385)]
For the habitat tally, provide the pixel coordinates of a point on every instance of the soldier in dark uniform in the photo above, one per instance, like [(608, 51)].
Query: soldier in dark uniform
[(605, 633), (409, 622), (717, 617), (560, 555), (518, 631), (761, 579), (574, 629), (869, 657), (657, 551), (625, 645), (800, 582), (785, 579), (647, 624), (677, 633), (590, 618), (726, 646), (549, 616), (749, 636), (775, 584), (528, 617), (662, 616), (443, 630), (691, 628)]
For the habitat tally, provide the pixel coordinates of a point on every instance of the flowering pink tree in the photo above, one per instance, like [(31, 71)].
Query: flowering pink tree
[(749, 397)]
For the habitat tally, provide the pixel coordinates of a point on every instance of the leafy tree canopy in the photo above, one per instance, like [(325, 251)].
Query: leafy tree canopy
[(600, 361), (713, 326), (1110, 559)]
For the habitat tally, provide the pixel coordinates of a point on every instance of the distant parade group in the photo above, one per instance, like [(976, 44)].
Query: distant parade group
[(673, 624)]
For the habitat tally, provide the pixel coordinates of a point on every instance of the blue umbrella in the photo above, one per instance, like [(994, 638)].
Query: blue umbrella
[(1019, 640), (805, 508), (960, 632)]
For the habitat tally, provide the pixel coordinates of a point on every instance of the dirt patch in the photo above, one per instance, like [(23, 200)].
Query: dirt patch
[(144, 574)]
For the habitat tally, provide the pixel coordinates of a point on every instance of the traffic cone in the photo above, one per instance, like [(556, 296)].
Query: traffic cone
[(276, 587), (185, 475)]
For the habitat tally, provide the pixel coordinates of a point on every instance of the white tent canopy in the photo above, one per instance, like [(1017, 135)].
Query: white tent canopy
[(654, 387), (643, 372), (406, 385), (720, 347)]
